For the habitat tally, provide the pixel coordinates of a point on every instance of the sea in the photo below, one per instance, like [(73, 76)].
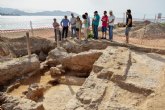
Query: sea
[(28, 22)]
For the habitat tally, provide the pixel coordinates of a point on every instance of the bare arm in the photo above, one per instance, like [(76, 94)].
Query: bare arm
[(129, 22), (61, 23), (111, 21)]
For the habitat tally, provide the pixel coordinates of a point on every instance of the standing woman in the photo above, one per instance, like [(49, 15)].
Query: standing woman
[(85, 22), (78, 27), (57, 31)]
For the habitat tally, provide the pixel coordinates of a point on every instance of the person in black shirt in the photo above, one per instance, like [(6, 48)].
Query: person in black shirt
[(128, 25)]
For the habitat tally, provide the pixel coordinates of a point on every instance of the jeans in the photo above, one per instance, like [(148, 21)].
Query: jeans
[(65, 31), (127, 30), (73, 31), (95, 31), (104, 29), (111, 32)]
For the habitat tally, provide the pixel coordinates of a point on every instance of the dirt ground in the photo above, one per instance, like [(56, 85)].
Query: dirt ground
[(55, 97), (49, 34), (66, 92)]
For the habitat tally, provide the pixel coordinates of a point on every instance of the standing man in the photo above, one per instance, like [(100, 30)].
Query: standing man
[(73, 25), (111, 21), (128, 25), (104, 25), (65, 24), (96, 24)]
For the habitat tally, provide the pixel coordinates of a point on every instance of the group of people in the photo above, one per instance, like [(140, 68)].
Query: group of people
[(77, 25)]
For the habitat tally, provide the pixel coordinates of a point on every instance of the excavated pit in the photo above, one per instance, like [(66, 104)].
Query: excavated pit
[(83, 76)]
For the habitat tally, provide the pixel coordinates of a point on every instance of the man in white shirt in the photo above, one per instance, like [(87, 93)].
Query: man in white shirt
[(73, 25), (111, 20)]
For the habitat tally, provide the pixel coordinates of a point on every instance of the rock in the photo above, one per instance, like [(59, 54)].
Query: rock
[(105, 74), (75, 46), (68, 80), (4, 51), (54, 71), (89, 95), (82, 62), (42, 56), (118, 83), (54, 81), (115, 61), (71, 80), (43, 66), (18, 67), (146, 73), (12, 87), (61, 68), (17, 47), (78, 74), (35, 92), (15, 103), (55, 56), (57, 53)]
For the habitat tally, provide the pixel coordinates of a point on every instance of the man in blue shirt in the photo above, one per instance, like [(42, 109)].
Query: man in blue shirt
[(65, 24), (95, 23)]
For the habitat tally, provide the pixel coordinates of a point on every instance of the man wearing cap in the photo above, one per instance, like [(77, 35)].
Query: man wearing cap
[(128, 24)]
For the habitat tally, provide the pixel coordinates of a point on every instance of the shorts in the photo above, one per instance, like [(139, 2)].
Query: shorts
[(104, 29), (77, 29), (127, 30)]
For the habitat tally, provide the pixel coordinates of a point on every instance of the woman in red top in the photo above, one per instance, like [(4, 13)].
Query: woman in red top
[(104, 25)]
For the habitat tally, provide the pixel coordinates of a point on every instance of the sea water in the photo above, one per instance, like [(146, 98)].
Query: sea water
[(23, 22)]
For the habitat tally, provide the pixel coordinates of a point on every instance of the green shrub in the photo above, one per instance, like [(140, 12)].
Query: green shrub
[(90, 35)]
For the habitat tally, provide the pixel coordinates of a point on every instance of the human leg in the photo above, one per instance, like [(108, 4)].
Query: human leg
[(55, 33), (111, 32), (95, 31), (127, 30), (63, 31), (66, 32), (102, 32)]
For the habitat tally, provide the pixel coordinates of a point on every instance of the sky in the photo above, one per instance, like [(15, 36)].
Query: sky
[(138, 7)]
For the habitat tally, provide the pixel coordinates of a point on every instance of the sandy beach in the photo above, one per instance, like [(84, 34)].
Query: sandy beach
[(48, 33)]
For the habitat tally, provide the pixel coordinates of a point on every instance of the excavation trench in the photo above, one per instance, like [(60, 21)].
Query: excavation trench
[(57, 90), (85, 77), (55, 86)]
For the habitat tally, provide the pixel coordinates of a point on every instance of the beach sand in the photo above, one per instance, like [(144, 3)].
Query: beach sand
[(49, 34)]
